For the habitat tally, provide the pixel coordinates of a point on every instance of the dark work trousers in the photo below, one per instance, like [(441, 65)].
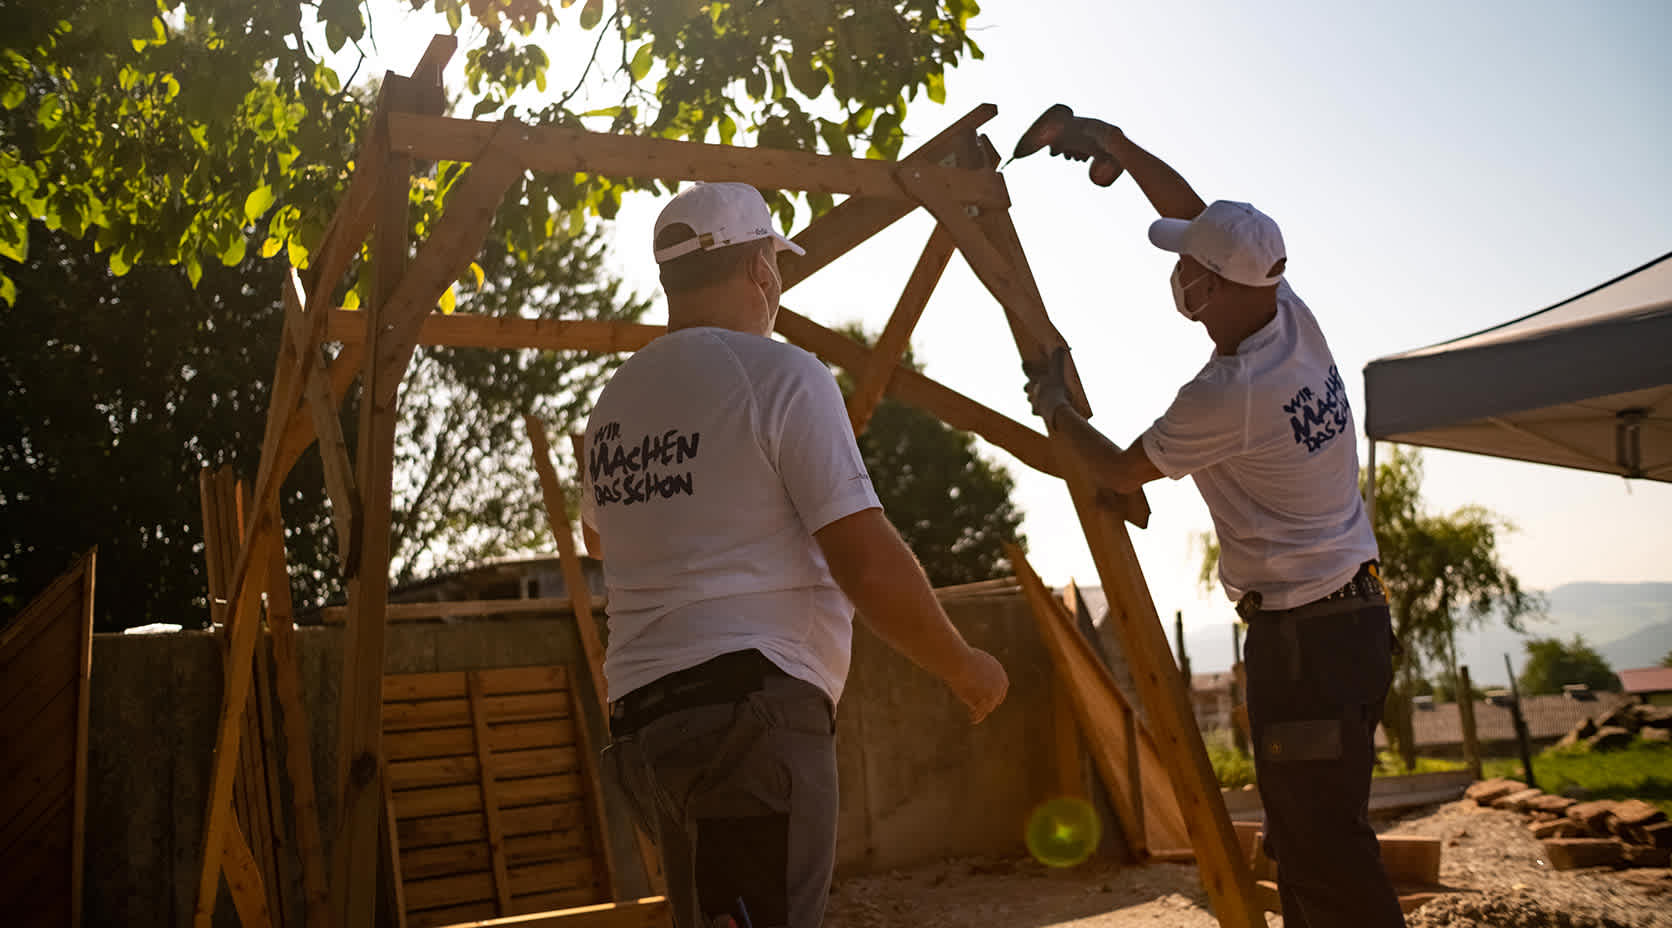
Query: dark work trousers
[(1316, 687), (741, 801)]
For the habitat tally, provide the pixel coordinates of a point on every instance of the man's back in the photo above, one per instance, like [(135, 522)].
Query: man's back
[(711, 458)]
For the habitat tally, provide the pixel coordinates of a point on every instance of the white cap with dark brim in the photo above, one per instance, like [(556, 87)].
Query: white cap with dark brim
[(719, 214), (1234, 240)]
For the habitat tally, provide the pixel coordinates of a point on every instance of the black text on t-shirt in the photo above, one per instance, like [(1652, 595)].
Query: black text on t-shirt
[(623, 472), (1317, 420)]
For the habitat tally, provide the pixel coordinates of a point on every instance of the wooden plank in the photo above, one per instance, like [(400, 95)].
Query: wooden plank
[(550, 877), (535, 903), (593, 786), (1069, 753), (393, 886), (359, 729), (506, 736), (275, 854), (872, 382), (950, 406), (84, 672), (38, 676), (455, 829), (243, 878), (557, 517), (444, 860), (548, 845), (563, 151), (452, 915), (328, 431), (449, 890), (30, 812), (490, 792), (411, 687), (857, 219), (651, 912), (457, 800), (455, 239), (447, 713), (466, 330), (298, 753), (410, 612), (466, 768)]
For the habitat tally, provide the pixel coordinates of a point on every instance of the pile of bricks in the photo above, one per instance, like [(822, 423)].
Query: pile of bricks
[(1575, 834)]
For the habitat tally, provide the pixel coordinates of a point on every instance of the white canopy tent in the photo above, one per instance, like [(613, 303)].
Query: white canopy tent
[(1586, 383)]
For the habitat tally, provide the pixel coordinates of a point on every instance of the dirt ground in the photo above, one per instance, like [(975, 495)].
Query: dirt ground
[(1501, 879)]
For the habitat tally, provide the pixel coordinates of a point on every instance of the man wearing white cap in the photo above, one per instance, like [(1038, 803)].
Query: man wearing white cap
[(723, 480), (1265, 430)]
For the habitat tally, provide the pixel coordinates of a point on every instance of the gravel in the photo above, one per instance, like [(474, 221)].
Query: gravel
[(1496, 868)]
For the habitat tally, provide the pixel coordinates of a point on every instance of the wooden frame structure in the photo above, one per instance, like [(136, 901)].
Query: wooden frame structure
[(952, 176)]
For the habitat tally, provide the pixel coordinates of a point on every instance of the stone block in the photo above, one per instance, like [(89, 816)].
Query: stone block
[(1635, 856), (1592, 816), (1559, 828), (1517, 801), (1610, 738), (1485, 791), (1578, 853), (1633, 814), (1658, 834), (1552, 805), (1655, 735)]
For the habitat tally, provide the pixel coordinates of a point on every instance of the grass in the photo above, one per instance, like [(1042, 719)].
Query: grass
[(1641, 771), (1233, 768), (1388, 765)]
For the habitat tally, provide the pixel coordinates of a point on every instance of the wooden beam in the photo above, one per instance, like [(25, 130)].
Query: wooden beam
[(84, 671), (465, 330), (650, 912), (298, 754), (354, 883), (580, 595), (455, 241), (857, 219), (243, 879), (563, 151), (952, 407), (408, 612), (872, 382), (490, 791), (327, 427)]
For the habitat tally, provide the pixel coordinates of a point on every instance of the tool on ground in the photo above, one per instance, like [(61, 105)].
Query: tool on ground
[(1068, 136)]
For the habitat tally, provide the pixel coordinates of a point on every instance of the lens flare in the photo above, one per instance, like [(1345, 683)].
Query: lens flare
[(1063, 832)]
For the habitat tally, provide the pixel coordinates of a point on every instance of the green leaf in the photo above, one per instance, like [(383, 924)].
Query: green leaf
[(611, 111), (336, 38), (728, 128), (449, 301), (234, 253), (50, 113), (119, 263), (8, 290), (194, 270), (937, 87), (642, 60), (159, 31), (13, 94), (477, 273), (298, 254), (258, 202), (592, 13), (351, 300)]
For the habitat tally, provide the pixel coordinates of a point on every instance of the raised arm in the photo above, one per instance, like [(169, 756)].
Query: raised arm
[(873, 566), (1166, 189)]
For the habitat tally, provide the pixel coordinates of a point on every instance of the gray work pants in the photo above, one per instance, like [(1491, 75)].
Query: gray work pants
[(741, 801)]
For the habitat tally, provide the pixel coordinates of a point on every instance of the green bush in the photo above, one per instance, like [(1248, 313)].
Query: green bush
[(1233, 768)]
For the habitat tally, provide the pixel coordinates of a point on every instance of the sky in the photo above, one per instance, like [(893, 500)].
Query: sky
[(1436, 168)]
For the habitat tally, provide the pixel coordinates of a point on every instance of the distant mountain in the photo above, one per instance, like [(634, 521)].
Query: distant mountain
[(1630, 624)]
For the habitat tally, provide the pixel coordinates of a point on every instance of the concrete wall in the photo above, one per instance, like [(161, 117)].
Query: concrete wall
[(918, 781)]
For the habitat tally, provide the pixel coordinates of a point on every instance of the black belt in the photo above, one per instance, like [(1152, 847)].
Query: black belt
[(1366, 586), (728, 678)]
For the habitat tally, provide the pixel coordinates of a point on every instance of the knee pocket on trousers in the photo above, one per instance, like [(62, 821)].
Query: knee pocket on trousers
[(1307, 740), (744, 858)]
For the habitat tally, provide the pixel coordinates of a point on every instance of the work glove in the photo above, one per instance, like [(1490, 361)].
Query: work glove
[(1047, 383)]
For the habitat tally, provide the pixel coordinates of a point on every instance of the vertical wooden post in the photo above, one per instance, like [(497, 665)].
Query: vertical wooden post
[(1466, 718), (360, 727), (1520, 722), (298, 752), (490, 791)]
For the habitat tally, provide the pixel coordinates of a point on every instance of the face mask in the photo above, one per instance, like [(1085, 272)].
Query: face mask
[(1178, 295)]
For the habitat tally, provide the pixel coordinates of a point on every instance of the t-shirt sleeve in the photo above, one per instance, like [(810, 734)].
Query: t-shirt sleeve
[(1207, 423), (815, 452), (589, 505)]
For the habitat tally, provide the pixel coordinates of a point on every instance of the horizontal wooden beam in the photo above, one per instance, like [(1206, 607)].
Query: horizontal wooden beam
[(464, 330), (560, 151), (909, 386), (650, 912), (458, 609)]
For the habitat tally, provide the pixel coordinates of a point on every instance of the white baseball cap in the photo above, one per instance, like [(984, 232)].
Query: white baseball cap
[(720, 214), (1234, 240)]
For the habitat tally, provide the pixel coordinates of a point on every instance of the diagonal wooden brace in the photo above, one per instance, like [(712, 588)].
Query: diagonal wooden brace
[(872, 382), (322, 409)]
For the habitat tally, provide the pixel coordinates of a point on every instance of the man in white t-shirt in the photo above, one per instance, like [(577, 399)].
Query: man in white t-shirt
[(1265, 430), (739, 528)]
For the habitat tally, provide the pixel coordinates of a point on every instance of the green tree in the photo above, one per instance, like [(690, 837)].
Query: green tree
[(1667, 660), (166, 130), (951, 505), (1442, 573), (1553, 664)]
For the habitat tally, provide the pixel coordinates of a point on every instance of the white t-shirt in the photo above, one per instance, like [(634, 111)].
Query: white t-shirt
[(711, 459), (1269, 437)]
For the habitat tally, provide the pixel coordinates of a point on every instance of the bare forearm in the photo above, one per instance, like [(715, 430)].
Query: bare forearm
[(891, 592), (1166, 189), (1113, 468)]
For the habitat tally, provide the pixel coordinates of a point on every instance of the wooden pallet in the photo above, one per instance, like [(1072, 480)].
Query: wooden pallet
[(495, 810), (45, 654)]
